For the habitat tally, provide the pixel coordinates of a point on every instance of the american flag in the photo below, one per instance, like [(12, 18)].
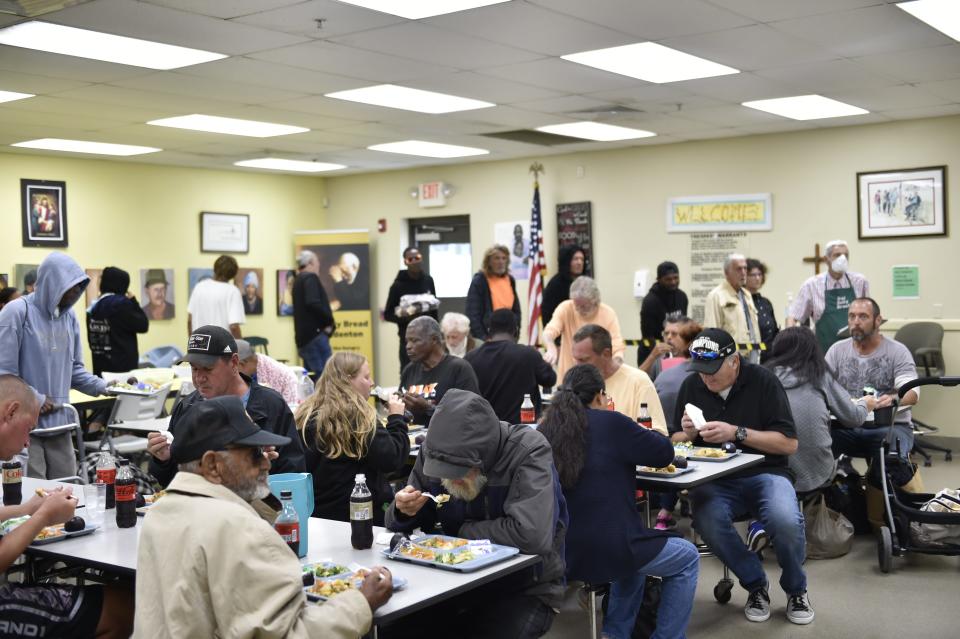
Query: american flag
[(538, 269)]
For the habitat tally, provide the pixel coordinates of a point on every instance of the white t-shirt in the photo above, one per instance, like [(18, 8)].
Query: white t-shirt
[(216, 303)]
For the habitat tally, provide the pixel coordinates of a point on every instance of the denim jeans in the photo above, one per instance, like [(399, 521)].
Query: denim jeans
[(316, 353), (767, 497), (865, 442), (678, 564)]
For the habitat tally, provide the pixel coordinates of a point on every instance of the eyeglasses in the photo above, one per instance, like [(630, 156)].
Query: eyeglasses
[(256, 452)]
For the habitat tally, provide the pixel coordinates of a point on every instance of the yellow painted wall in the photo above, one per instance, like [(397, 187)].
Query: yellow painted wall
[(137, 216), (811, 174)]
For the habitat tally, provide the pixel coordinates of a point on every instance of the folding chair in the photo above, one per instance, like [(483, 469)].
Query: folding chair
[(130, 408)]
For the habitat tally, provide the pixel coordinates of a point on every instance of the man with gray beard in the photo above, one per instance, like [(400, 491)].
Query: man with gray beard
[(209, 566), (503, 488)]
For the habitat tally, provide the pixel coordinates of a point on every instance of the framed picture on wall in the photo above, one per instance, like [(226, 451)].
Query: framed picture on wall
[(902, 203), (224, 232), (43, 217)]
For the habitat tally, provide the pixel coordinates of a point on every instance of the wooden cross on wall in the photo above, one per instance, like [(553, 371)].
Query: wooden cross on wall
[(817, 259)]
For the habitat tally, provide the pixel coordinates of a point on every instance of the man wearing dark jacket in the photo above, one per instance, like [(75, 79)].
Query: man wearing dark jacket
[(506, 371), (664, 298), (312, 317), (502, 487), (492, 288), (412, 281), (113, 322), (212, 354), (570, 265)]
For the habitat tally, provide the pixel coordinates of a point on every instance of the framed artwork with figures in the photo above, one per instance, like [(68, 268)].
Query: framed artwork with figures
[(902, 203), (43, 215)]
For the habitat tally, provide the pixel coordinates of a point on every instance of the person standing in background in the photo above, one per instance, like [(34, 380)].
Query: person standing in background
[(570, 264), (756, 278), (113, 322), (217, 302), (662, 300), (730, 307), (313, 322), (411, 281), (492, 288)]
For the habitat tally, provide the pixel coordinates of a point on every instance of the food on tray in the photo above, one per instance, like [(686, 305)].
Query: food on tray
[(667, 470), (440, 542), (417, 552), (51, 531), (716, 453), (330, 587), (329, 570), (75, 524), (680, 461), (454, 558), (133, 385), (729, 447)]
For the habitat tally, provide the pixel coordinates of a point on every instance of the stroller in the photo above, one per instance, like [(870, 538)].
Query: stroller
[(902, 508)]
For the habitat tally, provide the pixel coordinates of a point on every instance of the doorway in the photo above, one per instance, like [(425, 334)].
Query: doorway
[(447, 257)]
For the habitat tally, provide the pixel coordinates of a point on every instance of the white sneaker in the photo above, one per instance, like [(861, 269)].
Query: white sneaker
[(758, 606), (799, 610)]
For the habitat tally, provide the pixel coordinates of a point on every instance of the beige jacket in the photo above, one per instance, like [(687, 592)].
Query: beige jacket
[(209, 567), (723, 309)]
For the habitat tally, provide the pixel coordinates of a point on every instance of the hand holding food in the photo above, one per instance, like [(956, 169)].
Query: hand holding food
[(395, 404), (58, 506), (377, 587), (410, 501), (158, 446)]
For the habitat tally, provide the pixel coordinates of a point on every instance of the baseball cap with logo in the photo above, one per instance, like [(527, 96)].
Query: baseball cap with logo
[(217, 424), (709, 349), (208, 344)]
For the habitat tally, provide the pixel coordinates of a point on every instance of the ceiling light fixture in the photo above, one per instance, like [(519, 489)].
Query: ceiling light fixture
[(428, 149), (279, 164), (94, 45), (942, 15), (10, 96), (83, 146), (229, 126), (397, 97), (651, 62), (416, 9), (596, 131), (806, 107)]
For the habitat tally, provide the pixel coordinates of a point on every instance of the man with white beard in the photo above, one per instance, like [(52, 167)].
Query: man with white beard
[(503, 488)]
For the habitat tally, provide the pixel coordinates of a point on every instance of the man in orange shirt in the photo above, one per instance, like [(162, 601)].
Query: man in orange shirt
[(492, 288)]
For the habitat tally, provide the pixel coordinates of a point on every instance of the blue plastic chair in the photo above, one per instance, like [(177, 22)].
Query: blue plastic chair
[(301, 485)]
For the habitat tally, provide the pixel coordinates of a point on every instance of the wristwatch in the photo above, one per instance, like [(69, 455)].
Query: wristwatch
[(741, 434)]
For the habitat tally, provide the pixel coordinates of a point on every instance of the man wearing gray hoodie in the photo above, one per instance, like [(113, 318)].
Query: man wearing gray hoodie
[(40, 342)]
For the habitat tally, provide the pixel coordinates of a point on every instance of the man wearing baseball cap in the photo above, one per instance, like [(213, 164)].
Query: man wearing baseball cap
[(229, 573), (215, 367), (745, 404)]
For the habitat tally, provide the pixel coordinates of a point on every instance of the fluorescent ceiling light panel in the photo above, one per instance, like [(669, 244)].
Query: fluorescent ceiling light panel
[(229, 126), (942, 15), (596, 131), (82, 43), (416, 9), (82, 146), (806, 107), (397, 97), (10, 96), (279, 164), (651, 62), (428, 149)]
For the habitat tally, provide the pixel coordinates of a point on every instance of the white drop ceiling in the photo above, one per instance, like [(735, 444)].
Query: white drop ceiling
[(286, 54)]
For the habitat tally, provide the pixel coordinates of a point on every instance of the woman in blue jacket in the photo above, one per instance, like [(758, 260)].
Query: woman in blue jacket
[(596, 453)]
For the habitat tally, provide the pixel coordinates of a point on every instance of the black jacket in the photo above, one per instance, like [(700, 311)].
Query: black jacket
[(558, 288), (480, 306), (113, 322), (657, 304), (406, 285), (268, 410), (333, 479), (311, 309), (506, 371)]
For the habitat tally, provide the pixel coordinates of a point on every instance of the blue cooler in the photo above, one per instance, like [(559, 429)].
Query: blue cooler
[(301, 485)]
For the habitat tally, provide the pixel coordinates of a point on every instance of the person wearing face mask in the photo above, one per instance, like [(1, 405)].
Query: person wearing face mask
[(825, 298), (492, 288), (40, 342)]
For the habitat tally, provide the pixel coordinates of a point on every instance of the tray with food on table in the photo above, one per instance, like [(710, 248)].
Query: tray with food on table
[(449, 553)]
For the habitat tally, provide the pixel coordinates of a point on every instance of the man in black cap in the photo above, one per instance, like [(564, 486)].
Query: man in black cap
[(502, 487), (215, 367), (113, 322), (745, 404), (664, 299), (209, 566)]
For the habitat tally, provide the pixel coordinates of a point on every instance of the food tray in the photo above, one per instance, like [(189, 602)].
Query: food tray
[(356, 576), (310, 568), (50, 540), (725, 457), (492, 554), (646, 471), (113, 390)]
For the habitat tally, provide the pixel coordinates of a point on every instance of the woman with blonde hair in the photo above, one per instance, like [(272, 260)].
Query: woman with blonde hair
[(491, 289), (343, 438)]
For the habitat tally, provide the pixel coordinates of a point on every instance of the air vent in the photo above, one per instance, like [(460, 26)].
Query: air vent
[(34, 8), (529, 136)]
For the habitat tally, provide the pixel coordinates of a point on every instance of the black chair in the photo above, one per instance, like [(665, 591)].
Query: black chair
[(258, 344), (924, 340)]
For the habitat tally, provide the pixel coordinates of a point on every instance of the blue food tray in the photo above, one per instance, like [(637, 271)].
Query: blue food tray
[(52, 540), (399, 583), (497, 554)]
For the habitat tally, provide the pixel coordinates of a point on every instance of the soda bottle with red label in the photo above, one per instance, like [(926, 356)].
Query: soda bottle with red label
[(644, 418), (107, 474), (288, 523), (126, 496), (12, 483), (528, 414)]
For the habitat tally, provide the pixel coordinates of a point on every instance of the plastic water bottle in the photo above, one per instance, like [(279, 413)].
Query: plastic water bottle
[(288, 523), (306, 387), (528, 414), (107, 474), (644, 418), (361, 514)]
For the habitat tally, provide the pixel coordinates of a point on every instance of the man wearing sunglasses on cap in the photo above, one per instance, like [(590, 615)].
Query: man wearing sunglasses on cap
[(412, 281), (745, 404), (209, 566)]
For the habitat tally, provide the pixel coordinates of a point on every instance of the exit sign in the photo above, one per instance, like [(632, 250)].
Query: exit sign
[(431, 194)]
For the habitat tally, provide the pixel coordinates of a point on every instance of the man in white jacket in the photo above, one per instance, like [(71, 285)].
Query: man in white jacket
[(209, 566)]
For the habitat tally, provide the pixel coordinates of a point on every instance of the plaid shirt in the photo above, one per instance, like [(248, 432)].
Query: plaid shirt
[(811, 301)]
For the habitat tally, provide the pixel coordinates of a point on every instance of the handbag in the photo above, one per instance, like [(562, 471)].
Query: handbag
[(829, 534)]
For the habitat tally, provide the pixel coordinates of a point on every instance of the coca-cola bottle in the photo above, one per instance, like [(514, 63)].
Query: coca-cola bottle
[(107, 474), (644, 418), (126, 496), (361, 514), (528, 414), (288, 523), (12, 483)]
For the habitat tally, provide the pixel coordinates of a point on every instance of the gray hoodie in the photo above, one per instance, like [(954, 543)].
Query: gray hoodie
[(521, 505), (42, 345), (812, 406)]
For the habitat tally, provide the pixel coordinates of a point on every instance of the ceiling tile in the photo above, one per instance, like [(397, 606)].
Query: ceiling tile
[(221, 9), (920, 65), (338, 19), (771, 10), (923, 112), (561, 75), (483, 87), (36, 84), (949, 89), (903, 96), (64, 66), (825, 77), (749, 48), (168, 103), (566, 104), (118, 114), (268, 74), (734, 88), (193, 86), (731, 116)]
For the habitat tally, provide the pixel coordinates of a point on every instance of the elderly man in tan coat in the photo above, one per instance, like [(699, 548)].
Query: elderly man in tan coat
[(209, 566)]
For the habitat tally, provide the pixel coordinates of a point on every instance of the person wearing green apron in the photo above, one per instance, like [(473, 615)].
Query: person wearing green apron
[(834, 318)]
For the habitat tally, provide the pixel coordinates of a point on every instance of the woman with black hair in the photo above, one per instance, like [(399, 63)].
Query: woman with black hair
[(814, 395), (596, 453), (571, 263)]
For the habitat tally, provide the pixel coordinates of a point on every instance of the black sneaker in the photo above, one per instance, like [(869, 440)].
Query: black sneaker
[(758, 606), (799, 610)]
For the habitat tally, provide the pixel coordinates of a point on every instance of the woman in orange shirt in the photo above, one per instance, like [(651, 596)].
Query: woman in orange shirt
[(492, 288)]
